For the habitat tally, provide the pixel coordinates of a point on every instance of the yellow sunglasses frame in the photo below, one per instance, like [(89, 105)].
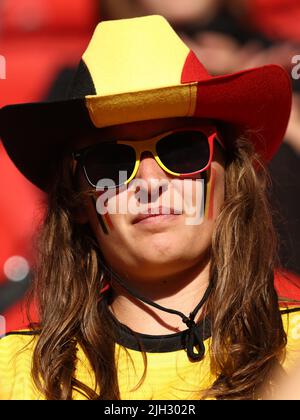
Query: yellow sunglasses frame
[(149, 145)]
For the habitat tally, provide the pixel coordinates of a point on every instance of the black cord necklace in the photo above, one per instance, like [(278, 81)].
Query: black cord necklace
[(193, 337)]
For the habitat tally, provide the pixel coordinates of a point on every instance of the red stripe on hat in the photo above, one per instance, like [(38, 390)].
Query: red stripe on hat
[(258, 99), (193, 70)]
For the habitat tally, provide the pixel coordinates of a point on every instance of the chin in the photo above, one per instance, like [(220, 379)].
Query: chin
[(164, 262)]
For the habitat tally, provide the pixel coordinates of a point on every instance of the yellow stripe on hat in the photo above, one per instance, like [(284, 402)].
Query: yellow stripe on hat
[(174, 101), (134, 55)]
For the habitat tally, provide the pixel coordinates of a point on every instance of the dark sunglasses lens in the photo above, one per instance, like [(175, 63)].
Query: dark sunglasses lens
[(106, 160), (184, 152)]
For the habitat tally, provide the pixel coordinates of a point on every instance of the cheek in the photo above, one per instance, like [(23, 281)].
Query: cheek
[(118, 240), (109, 224), (110, 234), (201, 198), (100, 220)]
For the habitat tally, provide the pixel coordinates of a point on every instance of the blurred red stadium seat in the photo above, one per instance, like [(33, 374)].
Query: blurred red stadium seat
[(38, 37), (277, 19)]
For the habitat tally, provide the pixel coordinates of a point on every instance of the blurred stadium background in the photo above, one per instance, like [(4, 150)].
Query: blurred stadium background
[(42, 42)]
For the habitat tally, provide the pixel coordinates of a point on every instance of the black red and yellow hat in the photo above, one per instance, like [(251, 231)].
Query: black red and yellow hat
[(139, 69)]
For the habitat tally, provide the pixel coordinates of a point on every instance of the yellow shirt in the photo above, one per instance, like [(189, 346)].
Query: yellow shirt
[(170, 374)]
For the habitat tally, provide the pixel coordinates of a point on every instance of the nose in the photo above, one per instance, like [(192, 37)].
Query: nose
[(153, 177), (149, 168)]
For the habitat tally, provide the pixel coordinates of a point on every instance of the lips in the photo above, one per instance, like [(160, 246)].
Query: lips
[(152, 214)]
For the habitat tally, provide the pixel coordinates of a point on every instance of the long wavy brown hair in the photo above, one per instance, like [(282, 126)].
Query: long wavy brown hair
[(248, 339)]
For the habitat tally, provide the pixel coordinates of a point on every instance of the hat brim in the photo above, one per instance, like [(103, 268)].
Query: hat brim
[(258, 101)]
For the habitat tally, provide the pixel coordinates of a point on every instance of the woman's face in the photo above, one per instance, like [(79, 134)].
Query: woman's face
[(162, 245)]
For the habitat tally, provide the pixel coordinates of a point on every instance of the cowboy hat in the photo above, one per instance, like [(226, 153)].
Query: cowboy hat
[(139, 69)]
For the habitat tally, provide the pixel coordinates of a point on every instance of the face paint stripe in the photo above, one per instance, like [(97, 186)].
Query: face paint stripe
[(210, 195), (102, 224), (108, 221)]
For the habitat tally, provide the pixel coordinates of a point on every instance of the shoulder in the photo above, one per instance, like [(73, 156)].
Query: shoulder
[(16, 353), (288, 290), (16, 349), (16, 345), (291, 323)]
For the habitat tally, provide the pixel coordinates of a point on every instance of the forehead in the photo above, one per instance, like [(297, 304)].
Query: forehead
[(138, 130)]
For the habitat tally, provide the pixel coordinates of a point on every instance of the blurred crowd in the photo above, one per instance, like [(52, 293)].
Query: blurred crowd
[(43, 40)]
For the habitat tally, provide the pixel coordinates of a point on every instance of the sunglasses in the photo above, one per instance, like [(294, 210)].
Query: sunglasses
[(181, 153)]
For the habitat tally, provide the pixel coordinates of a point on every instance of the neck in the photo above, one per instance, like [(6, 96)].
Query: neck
[(181, 292)]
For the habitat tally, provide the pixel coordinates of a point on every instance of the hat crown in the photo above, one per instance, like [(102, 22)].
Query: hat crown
[(133, 55)]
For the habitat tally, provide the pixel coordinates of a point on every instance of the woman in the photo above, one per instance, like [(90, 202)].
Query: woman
[(155, 278)]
